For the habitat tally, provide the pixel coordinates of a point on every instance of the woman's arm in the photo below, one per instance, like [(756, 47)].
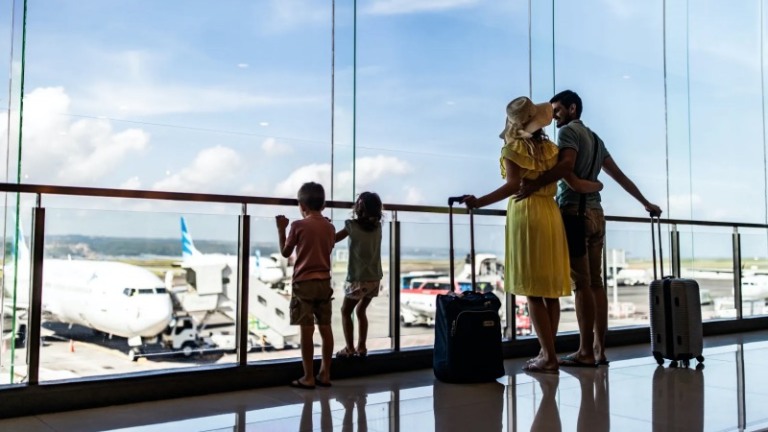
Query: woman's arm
[(582, 186), (509, 188)]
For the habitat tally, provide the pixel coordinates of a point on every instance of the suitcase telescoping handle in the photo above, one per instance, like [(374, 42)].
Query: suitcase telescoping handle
[(451, 202), (656, 219)]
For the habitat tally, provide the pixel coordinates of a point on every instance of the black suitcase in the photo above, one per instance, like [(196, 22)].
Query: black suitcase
[(675, 309), (467, 327)]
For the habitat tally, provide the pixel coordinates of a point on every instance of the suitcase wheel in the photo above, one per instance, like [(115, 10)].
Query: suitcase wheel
[(659, 359), (700, 358), (673, 364)]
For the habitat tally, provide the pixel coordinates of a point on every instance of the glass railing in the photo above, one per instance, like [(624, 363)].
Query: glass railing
[(163, 291)]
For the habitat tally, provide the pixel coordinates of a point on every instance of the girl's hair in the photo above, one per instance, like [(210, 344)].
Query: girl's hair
[(368, 211)]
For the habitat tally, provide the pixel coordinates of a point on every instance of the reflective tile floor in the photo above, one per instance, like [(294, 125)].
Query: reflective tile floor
[(632, 394)]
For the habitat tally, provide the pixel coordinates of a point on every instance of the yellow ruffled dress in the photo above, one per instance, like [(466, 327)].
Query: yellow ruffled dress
[(537, 261)]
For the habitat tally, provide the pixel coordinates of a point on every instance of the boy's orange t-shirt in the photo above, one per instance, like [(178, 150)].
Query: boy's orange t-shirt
[(314, 238)]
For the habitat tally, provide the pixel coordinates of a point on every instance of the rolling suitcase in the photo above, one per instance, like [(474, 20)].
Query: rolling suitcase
[(467, 327), (675, 309)]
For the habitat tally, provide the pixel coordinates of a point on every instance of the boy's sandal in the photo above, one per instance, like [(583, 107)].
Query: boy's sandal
[(345, 353), (362, 353)]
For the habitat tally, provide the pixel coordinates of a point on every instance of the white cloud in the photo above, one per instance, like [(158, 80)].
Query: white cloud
[(272, 147), (413, 195), (211, 168), (369, 169), (131, 183), (318, 173), (56, 149), (395, 7)]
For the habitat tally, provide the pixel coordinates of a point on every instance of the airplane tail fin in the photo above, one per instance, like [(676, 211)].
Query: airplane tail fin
[(188, 249)]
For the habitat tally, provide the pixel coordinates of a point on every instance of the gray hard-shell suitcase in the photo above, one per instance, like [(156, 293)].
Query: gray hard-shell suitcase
[(675, 309), (467, 326)]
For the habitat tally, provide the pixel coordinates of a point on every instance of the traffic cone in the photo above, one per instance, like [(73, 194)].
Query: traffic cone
[(71, 345)]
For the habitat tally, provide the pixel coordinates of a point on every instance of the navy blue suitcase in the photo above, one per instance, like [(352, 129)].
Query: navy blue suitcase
[(467, 328)]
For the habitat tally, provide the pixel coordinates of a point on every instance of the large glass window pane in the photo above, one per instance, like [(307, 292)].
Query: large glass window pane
[(754, 272), (15, 295), (230, 99), (612, 56), (629, 268), (425, 268), (715, 81), (431, 99), (707, 256), (143, 297)]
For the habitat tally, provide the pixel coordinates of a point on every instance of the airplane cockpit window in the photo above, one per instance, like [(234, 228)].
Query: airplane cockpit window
[(129, 292)]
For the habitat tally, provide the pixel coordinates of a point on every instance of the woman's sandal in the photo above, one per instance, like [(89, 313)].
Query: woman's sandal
[(345, 353)]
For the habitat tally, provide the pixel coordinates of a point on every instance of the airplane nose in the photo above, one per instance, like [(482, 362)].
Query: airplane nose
[(153, 315)]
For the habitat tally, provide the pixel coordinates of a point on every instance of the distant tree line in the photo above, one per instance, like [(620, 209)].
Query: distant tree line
[(98, 247)]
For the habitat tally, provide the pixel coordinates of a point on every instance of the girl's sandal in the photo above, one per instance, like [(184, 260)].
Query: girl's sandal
[(345, 353)]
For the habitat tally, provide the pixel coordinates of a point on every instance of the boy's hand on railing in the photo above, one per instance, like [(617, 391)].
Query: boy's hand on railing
[(281, 222)]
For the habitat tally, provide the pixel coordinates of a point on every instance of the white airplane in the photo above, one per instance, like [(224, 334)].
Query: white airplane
[(111, 297), (269, 270), (754, 287)]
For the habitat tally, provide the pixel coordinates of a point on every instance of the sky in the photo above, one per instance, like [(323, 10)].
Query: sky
[(236, 99)]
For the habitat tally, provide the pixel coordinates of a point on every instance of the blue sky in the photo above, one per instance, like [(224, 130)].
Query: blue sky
[(236, 98)]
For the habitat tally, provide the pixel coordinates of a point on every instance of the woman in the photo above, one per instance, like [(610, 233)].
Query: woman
[(537, 263)]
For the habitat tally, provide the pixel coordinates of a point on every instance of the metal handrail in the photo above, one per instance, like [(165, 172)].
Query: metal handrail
[(246, 199)]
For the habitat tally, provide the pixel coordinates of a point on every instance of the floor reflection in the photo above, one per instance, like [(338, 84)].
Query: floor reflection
[(632, 394)]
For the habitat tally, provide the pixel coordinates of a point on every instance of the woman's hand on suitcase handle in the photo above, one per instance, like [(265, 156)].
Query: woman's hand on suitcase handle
[(471, 201)]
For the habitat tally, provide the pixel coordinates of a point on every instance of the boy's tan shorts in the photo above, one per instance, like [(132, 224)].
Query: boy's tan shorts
[(311, 302)]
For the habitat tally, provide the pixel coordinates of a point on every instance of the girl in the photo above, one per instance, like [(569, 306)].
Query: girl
[(364, 269)]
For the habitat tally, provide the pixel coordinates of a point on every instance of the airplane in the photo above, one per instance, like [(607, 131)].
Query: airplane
[(215, 290), (110, 297), (270, 270)]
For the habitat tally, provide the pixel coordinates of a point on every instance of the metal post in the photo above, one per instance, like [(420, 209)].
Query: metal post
[(674, 253), (394, 282), (737, 273), (35, 294), (741, 402), (243, 274)]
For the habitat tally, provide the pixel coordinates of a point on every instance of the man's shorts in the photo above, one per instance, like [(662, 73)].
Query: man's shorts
[(357, 290), (587, 270), (311, 302)]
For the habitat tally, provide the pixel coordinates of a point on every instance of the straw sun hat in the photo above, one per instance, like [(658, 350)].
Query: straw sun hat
[(525, 117)]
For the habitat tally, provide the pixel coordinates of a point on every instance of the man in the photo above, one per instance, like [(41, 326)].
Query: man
[(578, 145)]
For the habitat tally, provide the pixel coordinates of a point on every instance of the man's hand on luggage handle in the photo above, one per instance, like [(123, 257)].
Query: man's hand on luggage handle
[(653, 209)]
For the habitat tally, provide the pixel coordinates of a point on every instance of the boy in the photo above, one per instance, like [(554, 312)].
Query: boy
[(313, 237)]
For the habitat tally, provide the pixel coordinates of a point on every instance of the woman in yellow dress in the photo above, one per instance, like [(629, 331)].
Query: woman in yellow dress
[(537, 264)]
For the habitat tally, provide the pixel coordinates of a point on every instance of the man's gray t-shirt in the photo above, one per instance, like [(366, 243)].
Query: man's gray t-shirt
[(580, 138)]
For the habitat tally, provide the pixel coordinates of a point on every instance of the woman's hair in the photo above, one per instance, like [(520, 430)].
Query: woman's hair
[(533, 144), (368, 211)]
